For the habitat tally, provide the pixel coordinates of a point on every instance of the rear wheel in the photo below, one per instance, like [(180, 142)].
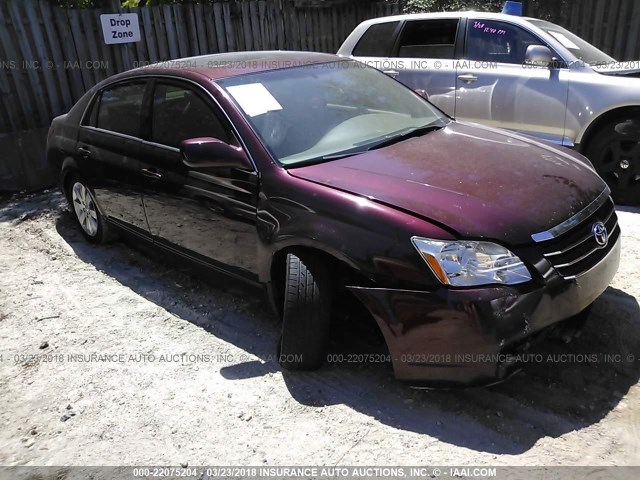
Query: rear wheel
[(615, 153), (92, 224), (308, 295)]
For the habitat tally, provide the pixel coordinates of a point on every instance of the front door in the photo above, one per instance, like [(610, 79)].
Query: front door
[(207, 213), (496, 88)]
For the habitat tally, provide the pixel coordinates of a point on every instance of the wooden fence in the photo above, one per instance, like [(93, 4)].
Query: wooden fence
[(611, 25), (49, 56)]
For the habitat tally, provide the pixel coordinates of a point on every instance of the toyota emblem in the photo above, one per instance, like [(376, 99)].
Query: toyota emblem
[(600, 233)]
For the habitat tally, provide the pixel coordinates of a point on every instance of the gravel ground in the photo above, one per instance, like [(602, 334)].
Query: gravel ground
[(190, 377)]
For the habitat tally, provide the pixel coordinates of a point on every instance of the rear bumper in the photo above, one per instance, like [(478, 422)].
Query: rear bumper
[(460, 336)]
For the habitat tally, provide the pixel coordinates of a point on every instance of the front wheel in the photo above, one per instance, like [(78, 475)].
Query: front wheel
[(92, 224), (616, 156), (306, 315)]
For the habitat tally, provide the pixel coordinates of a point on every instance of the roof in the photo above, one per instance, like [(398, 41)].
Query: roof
[(432, 15), (350, 43), (224, 65)]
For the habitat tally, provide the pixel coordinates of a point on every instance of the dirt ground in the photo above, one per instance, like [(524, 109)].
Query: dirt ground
[(109, 357)]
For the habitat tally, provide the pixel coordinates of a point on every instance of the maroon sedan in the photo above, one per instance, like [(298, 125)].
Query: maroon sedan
[(321, 179)]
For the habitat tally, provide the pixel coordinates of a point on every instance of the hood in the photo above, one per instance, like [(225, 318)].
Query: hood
[(480, 182), (619, 69)]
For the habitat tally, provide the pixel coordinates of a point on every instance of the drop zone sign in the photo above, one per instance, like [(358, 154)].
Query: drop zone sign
[(120, 28)]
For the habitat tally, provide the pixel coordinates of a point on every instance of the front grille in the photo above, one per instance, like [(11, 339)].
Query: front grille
[(576, 251)]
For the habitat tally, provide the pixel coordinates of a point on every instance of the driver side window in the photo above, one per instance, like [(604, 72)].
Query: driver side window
[(179, 113), (493, 41)]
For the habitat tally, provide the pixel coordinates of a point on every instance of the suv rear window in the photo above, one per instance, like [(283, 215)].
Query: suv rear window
[(429, 38), (377, 41)]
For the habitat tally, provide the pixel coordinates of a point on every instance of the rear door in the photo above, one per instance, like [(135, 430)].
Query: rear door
[(109, 152), (423, 58), (496, 88), (207, 213)]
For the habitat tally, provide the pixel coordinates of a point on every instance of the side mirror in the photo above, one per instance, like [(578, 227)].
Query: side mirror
[(538, 56), (209, 152)]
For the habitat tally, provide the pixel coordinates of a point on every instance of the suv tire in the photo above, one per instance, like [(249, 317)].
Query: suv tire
[(616, 157)]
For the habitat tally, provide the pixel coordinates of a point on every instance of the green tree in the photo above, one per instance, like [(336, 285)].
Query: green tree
[(417, 6), (79, 3), (142, 3), (554, 10)]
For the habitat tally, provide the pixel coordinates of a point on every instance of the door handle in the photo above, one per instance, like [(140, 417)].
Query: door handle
[(391, 73), (84, 152), (468, 78), (153, 175)]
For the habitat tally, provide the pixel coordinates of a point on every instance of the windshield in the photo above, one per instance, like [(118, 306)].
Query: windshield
[(322, 111), (580, 48)]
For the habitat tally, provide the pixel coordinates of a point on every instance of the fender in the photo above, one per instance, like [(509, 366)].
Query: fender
[(622, 112), (267, 254), (68, 165)]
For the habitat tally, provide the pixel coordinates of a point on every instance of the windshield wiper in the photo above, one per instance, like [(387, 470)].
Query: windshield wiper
[(338, 156), (384, 142), (407, 134)]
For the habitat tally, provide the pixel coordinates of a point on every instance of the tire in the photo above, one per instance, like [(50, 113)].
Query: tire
[(85, 210), (616, 157), (306, 316)]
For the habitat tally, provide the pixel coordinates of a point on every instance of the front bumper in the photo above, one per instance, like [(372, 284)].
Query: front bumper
[(458, 336)]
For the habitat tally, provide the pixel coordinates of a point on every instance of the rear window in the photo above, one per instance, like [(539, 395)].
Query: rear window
[(120, 108), (429, 38), (91, 117), (377, 41)]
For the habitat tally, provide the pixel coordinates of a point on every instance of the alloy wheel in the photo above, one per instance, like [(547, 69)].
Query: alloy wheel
[(620, 164), (85, 209)]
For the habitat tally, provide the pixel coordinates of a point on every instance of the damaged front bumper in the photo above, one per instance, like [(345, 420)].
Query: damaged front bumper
[(460, 336)]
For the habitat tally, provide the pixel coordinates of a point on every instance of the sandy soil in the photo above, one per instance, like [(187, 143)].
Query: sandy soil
[(191, 379)]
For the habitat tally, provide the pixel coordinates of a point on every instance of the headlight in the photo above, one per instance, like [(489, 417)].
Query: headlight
[(469, 263)]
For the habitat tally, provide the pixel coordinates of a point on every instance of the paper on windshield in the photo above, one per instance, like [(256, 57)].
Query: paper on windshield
[(254, 99), (564, 40)]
